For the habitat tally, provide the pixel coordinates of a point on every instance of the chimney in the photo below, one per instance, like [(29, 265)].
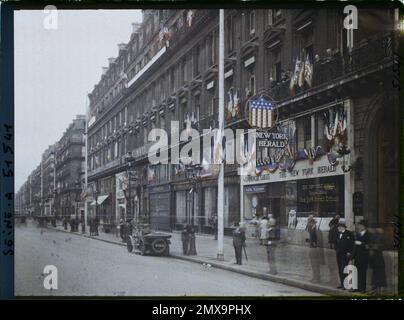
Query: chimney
[(111, 60), (104, 70), (135, 27), (122, 46)]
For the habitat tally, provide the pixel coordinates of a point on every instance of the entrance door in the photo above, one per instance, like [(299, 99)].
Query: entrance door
[(387, 173)]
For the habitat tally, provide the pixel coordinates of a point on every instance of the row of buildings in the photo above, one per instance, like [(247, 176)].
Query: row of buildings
[(337, 106), (54, 188)]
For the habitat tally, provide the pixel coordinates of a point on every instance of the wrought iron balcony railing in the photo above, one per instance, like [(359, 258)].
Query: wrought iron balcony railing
[(368, 54)]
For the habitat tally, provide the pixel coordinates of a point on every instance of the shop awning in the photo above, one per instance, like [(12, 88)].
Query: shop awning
[(100, 200)]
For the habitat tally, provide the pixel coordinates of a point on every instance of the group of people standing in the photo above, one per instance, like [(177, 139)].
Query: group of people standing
[(188, 240), (363, 250)]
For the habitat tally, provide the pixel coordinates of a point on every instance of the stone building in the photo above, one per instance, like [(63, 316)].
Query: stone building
[(168, 71), (69, 169)]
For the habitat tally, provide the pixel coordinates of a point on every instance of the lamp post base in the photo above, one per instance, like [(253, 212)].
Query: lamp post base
[(220, 256)]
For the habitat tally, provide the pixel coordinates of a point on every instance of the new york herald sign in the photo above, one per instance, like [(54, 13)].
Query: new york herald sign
[(271, 139)]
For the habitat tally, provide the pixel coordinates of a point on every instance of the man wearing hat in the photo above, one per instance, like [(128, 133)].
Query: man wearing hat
[(344, 249), (238, 242), (361, 254)]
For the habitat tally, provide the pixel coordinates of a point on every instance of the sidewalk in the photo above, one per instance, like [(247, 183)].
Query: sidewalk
[(307, 268)]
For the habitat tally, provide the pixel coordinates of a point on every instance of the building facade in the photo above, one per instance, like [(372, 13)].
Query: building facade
[(69, 169), (168, 72), (48, 181)]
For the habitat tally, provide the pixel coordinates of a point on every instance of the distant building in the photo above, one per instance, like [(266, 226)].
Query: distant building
[(69, 169)]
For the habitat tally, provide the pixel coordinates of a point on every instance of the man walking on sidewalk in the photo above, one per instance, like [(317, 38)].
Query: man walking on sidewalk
[(344, 249), (238, 242), (185, 240)]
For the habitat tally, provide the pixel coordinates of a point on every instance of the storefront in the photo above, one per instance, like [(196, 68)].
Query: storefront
[(159, 206), (303, 172), (120, 207)]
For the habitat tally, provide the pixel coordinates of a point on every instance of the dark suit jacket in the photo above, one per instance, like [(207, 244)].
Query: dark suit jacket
[(345, 243), (361, 252), (238, 237)]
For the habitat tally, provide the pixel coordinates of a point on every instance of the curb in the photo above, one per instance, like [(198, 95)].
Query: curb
[(268, 277)]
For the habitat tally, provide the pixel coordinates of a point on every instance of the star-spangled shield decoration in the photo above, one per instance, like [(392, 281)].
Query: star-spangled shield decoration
[(261, 112)]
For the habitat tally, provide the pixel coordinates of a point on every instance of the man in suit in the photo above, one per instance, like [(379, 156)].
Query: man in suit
[(344, 248), (361, 254), (238, 242)]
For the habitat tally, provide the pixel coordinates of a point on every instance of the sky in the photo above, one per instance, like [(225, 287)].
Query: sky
[(54, 69)]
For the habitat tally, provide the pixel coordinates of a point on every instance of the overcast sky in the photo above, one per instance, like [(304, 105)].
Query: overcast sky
[(54, 70)]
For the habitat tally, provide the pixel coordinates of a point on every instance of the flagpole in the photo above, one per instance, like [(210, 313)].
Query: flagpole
[(220, 189)]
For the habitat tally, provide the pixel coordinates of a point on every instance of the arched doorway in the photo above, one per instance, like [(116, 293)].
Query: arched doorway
[(381, 180)]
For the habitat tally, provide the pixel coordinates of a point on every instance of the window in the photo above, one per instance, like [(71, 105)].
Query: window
[(251, 22), (172, 80), (306, 43), (251, 82), (211, 105), (184, 70), (276, 15), (183, 114), (320, 138), (303, 130), (196, 61), (275, 66), (229, 34), (197, 108), (269, 17)]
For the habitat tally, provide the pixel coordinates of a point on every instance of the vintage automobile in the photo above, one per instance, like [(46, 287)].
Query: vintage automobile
[(153, 243)]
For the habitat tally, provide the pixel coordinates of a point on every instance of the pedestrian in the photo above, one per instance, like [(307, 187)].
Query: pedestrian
[(333, 233), (185, 240), (311, 228), (121, 230), (361, 254), (263, 230), (71, 224), (91, 225), (192, 238), (376, 261), (238, 242), (273, 236), (214, 226), (65, 223), (344, 250), (96, 224)]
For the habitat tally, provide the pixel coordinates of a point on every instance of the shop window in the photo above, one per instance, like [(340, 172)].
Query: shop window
[(323, 197), (303, 130)]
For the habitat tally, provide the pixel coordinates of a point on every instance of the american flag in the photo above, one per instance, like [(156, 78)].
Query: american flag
[(260, 114)]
